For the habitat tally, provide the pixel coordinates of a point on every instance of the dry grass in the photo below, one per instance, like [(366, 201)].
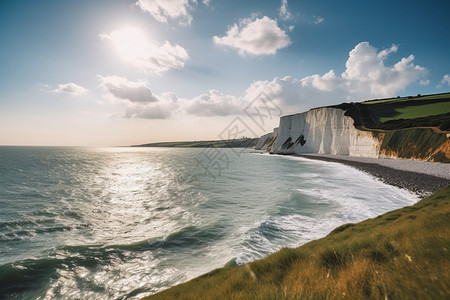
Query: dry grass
[(403, 254)]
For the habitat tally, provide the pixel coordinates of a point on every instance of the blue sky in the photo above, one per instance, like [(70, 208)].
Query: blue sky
[(118, 72)]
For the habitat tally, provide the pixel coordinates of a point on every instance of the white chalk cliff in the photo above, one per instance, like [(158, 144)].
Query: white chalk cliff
[(267, 141), (321, 130)]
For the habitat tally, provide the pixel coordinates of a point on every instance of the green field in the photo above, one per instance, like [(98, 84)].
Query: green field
[(409, 98), (419, 111), (403, 254)]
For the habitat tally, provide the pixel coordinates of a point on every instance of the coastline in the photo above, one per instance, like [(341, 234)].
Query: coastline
[(419, 177), (414, 176), (401, 254)]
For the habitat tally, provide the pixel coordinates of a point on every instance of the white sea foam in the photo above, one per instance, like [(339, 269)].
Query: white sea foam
[(114, 223)]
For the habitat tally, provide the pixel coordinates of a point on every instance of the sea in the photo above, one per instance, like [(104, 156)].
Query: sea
[(123, 223)]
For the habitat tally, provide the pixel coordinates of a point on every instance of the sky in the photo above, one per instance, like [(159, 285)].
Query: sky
[(123, 72)]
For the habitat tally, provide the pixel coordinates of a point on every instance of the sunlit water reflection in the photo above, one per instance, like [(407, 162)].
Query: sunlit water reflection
[(127, 222)]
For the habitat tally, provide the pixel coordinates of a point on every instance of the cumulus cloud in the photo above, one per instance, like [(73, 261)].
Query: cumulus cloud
[(70, 88), (284, 12), (162, 10), (122, 88), (327, 82), (445, 80), (260, 36), (367, 75), (383, 54), (163, 109), (138, 99), (135, 48), (287, 93), (214, 103)]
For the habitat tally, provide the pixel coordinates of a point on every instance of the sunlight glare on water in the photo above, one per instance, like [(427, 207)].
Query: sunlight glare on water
[(127, 222)]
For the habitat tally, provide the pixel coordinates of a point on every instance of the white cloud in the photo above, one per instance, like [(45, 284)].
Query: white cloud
[(122, 88), (287, 93), (366, 74), (327, 82), (163, 109), (366, 77), (445, 80), (318, 20), (162, 10), (424, 82), (255, 36), (284, 12), (70, 88), (213, 103), (135, 48), (385, 53), (138, 98)]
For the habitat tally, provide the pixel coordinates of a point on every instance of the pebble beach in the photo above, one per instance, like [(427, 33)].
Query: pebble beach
[(420, 177)]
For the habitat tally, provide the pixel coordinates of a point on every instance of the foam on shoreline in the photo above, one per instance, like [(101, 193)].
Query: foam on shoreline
[(423, 178)]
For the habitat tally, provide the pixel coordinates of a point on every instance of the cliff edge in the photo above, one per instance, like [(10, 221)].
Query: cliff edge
[(410, 127)]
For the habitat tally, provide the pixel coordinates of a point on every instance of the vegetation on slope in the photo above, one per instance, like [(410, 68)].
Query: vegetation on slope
[(416, 143), (403, 254), (236, 143)]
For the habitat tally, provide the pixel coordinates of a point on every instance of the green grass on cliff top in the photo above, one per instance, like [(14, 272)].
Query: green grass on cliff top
[(409, 98), (403, 254), (419, 111), (408, 107)]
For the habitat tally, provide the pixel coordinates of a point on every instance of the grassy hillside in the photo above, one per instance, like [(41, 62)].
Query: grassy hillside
[(417, 143), (237, 143), (403, 254)]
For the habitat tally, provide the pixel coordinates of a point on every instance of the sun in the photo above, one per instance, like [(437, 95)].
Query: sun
[(131, 43)]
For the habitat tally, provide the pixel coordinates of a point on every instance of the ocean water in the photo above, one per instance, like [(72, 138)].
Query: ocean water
[(122, 223)]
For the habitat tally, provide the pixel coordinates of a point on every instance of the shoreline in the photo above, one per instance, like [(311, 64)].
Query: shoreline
[(419, 182), (405, 175), (403, 246)]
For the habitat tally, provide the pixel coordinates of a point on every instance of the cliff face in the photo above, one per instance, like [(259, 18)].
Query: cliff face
[(267, 141), (328, 131), (322, 130)]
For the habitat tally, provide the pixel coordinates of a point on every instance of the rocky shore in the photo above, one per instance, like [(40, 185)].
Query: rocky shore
[(423, 178)]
